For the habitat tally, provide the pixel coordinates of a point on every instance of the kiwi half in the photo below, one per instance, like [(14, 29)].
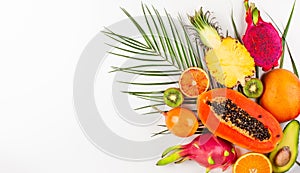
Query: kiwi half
[(253, 88), (173, 97)]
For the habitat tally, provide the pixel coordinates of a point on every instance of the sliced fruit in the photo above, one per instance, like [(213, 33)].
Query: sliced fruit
[(281, 96), (193, 81), (285, 154), (261, 39), (228, 60), (173, 97), (181, 122), (234, 117), (252, 163), (253, 88)]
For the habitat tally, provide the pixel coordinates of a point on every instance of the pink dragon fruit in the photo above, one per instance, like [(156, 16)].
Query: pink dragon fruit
[(261, 39), (207, 150)]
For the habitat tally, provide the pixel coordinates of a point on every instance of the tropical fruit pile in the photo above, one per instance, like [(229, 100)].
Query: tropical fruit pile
[(242, 109), (232, 115)]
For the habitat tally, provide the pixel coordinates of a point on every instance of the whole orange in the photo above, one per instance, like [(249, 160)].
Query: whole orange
[(281, 96)]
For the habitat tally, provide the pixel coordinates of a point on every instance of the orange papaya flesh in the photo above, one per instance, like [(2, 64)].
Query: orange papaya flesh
[(232, 116)]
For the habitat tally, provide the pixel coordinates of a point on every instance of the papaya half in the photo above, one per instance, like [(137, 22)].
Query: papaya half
[(232, 116)]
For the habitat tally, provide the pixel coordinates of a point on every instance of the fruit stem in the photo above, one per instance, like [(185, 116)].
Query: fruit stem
[(160, 111), (298, 163)]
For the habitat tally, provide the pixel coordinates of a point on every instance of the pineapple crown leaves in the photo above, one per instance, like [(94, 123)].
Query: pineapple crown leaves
[(207, 28)]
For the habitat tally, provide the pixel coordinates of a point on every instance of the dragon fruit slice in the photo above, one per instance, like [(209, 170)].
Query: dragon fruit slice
[(261, 39), (207, 150)]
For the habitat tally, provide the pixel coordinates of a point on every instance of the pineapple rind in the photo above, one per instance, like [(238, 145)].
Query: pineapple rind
[(230, 62)]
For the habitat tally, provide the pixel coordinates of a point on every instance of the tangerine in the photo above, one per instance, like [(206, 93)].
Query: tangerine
[(193, 81), (281, 96), (252, 163)]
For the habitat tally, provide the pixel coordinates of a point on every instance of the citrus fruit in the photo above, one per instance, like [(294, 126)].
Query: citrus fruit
[(193, 81), (281, 96), (252, 163)]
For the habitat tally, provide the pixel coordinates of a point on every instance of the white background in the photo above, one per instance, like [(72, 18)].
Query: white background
[(40, 44)]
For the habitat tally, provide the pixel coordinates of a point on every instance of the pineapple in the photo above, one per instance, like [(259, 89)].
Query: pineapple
[(227, 59)]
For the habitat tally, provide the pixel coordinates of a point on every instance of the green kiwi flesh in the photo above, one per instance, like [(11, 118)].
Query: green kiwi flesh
[(253, 88), (173, 97)]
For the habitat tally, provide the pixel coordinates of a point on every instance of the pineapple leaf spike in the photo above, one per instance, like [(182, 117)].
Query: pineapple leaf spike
[(207, 28)]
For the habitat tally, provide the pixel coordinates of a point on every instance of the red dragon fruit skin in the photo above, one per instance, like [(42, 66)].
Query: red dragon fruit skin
[(261, 39), (206, 149)]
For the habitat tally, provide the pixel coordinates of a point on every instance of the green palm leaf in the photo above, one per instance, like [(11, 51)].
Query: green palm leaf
[(284, 42), (286, 29), (236, 33), (165, 45), (158, 83)]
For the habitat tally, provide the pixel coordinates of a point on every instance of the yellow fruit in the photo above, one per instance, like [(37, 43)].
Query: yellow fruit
[(230, 62), (281, 96)]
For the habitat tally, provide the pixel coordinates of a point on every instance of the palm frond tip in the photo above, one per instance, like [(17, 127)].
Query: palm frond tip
[(164, 44)]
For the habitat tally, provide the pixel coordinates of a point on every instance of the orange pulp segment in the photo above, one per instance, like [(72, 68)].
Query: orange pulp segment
[(193, 81), (252, 163)]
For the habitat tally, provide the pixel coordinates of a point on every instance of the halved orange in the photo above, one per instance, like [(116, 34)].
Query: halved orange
[(252, 163), (193, 81)]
